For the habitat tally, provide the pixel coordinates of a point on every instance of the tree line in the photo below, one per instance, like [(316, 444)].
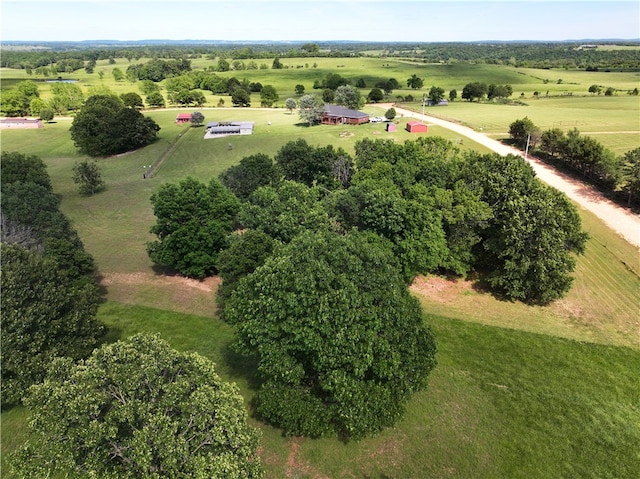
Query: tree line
[(521, 54), (617, 175)]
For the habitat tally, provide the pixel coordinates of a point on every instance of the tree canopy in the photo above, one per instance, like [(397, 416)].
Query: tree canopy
[(340, 342), (104, 126), (138, 409), (193, 221), (45, 315)]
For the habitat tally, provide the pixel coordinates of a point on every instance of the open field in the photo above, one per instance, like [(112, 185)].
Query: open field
[(520, 391), (563, 100)]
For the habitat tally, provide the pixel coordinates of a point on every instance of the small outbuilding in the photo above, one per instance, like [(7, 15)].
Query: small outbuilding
[(20, 123), (183, 118), (416, 127), (391, 127), (225, 128)]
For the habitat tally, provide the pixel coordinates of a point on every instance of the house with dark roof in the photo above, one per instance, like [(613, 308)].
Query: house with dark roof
[(338, 115)]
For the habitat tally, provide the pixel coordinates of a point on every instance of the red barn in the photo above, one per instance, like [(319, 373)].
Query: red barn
[(416, 127), (183, 118)]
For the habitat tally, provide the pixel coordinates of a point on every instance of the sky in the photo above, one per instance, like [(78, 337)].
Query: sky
[(318, 20)]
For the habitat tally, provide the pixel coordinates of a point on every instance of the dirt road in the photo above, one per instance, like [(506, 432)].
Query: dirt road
[(621, 220)]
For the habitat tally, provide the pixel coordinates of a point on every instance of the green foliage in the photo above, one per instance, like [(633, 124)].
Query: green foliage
[(306, 164), (268, 96), (535, 231), (339, 340), (246, 251), (155, 99), (415, 82), (521, 131), (29, 206), (104, 126), (285, 211), (631, 173), (474, 90), (348, 96), (290, 104), (310, 108), (138, 409), (17, 167), (45, 315), (88, 176), (436, 94), (132, 100), (251, 173), (197, 118), (375, 95), (390, 114), (241, 97), (193, 221)]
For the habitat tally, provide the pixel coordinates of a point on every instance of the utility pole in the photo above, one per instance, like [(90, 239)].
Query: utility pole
[(526, 150), (424, 100)]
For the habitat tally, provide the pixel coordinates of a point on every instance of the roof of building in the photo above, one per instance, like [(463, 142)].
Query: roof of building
[(19, 120), (415, 123), (338, 110), (183, 116), (231, 124)]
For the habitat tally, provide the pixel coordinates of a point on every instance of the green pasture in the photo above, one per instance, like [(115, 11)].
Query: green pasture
[(519, 391), (562, 102)]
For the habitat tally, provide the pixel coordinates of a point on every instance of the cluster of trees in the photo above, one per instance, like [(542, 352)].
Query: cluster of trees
[(157, 70), (131, 409), (583, 154), (105, 126), (320, 250), (49, 298), (525, 54)]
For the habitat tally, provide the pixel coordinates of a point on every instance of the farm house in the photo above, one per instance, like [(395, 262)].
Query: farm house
[(416, 127), (183, 118), (339, 115)]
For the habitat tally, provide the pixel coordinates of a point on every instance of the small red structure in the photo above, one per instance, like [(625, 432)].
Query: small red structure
[(416, 127), (391, 127), (183, 118)]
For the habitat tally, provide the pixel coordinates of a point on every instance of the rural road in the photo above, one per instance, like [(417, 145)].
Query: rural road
[(619, 219)]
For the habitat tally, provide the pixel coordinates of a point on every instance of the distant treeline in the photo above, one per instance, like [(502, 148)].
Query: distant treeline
[(525, 54)]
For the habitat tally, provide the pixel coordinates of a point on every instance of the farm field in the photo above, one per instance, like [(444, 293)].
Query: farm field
[(520, 391)]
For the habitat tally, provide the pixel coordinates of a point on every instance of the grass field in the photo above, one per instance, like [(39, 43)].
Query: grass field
[(519, 391)]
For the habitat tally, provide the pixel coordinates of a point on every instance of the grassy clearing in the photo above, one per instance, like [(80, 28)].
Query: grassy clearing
[(500, 404)]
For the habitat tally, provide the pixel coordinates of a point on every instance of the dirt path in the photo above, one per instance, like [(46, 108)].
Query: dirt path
[(621, 220)]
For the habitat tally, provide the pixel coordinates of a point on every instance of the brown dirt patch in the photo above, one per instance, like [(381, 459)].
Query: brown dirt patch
[(440, 289), (173, 293)]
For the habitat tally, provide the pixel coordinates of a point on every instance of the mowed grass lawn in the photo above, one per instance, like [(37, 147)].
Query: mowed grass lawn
[(519, 391)]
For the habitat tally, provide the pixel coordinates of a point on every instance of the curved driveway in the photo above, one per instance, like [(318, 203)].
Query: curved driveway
[(621, 220)]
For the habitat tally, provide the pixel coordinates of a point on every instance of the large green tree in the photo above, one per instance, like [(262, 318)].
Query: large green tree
[(138, 409), (251, 173), (415, 82), (349, 97), (339, 340), (268, 96), (193, 221), (310, 108), (529, 246), (285, 211), (45, 315), (104, 126)]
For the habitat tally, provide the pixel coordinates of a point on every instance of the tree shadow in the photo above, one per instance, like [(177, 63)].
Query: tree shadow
[(243, 366)]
